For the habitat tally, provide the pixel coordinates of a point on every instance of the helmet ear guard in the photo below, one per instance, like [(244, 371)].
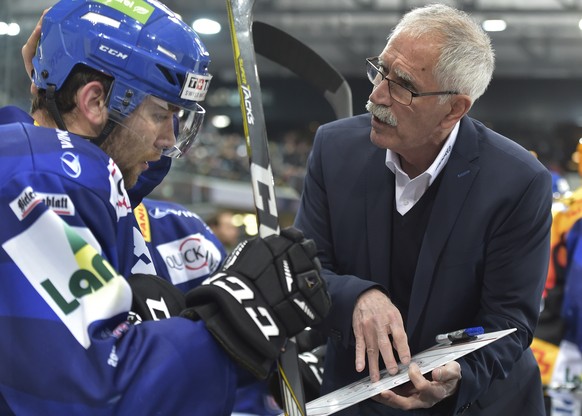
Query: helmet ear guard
[(146, 49)]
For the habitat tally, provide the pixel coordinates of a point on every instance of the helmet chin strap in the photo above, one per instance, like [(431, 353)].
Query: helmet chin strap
[(104, 133), (51, 103), (56, 115)]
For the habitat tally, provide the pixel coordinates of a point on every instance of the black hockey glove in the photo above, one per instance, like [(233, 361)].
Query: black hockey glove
[(269, 289), (311, 368), (154, 298)]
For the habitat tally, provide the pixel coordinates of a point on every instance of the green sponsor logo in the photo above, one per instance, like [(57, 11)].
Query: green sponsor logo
[(136, 9), (94, 272)]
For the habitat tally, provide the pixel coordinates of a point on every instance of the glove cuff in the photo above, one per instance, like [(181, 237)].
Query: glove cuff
[(154, 298), (240, 319)]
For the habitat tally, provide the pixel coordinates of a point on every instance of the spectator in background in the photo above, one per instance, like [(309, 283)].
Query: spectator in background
[(222, 225)]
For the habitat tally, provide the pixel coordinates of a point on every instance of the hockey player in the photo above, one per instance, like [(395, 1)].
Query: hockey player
[(185, 251), (113, 75)]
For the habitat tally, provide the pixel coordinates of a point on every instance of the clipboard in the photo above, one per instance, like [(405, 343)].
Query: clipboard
[(427, 360)]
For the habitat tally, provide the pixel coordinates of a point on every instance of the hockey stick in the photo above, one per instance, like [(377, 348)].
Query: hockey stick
[(285, 50), (240, 15)]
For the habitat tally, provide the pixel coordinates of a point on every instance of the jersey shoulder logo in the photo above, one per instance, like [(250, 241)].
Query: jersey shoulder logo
[(71, 164)]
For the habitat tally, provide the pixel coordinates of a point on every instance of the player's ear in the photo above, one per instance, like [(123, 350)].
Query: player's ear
[(91, 103)]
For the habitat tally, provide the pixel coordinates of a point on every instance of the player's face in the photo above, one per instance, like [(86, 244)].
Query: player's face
[(401, 128), (141, 138)]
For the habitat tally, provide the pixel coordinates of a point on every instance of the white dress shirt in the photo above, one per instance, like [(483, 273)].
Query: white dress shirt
[(409, 191)]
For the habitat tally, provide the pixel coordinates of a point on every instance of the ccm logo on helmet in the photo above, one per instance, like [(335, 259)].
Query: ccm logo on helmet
[(113, 52)]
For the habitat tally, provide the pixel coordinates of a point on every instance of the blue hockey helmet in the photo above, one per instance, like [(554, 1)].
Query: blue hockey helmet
[(142, 45)]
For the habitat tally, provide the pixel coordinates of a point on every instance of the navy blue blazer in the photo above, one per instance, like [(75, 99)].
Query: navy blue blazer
[(483, 260)]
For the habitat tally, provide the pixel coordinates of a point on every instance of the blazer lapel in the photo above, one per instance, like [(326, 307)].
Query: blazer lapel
[(379, 201), (456, 183)]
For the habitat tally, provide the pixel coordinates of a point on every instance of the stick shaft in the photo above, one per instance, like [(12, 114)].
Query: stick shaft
[(240, 20), (240, 14)]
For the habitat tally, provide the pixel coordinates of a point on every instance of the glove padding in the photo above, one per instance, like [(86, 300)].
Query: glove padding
[(154, 298), (269, 289)]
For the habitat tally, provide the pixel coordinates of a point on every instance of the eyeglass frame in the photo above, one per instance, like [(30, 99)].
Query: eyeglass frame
[(378, 69)]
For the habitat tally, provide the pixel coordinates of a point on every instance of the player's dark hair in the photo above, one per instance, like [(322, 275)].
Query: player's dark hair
[(65, 97)]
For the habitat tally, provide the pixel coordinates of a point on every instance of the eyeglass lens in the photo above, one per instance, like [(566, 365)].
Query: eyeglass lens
[(397, 92)]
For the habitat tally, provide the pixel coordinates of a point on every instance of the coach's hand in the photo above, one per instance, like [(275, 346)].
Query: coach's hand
[(423, 392), (378, 329), (269, 289)]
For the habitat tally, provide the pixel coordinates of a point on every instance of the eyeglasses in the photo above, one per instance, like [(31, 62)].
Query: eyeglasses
[(397, 91)]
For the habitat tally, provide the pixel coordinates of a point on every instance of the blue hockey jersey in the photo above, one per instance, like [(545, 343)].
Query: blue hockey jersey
[(184, 249), (68, 238)]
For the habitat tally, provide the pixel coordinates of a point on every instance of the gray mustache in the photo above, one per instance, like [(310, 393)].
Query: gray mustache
[(382, 112)]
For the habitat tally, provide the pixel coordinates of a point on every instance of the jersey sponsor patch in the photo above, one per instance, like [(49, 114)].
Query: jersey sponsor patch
[(143, 220), (28, 199), (190, 258), (79, 285), (59, 203), (24, 203)]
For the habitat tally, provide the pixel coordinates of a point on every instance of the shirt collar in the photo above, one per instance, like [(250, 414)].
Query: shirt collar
[(393, 160)]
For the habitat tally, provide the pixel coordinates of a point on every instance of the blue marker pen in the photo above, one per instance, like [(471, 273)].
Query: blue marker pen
[(461, 335)]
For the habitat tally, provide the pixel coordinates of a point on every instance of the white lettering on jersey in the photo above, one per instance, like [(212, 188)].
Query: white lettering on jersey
[(143, 258), (159, 213), (63, 137), (158, 308), (113, 358), (118, 195)]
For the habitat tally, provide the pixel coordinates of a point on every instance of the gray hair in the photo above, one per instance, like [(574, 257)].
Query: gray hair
[(466, 59)]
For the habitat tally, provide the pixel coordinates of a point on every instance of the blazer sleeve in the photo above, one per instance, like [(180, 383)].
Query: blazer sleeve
[(516, 260), (313, 218)]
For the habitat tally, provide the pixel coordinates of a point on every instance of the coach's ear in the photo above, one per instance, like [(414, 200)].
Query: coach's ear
[(460, 105)]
